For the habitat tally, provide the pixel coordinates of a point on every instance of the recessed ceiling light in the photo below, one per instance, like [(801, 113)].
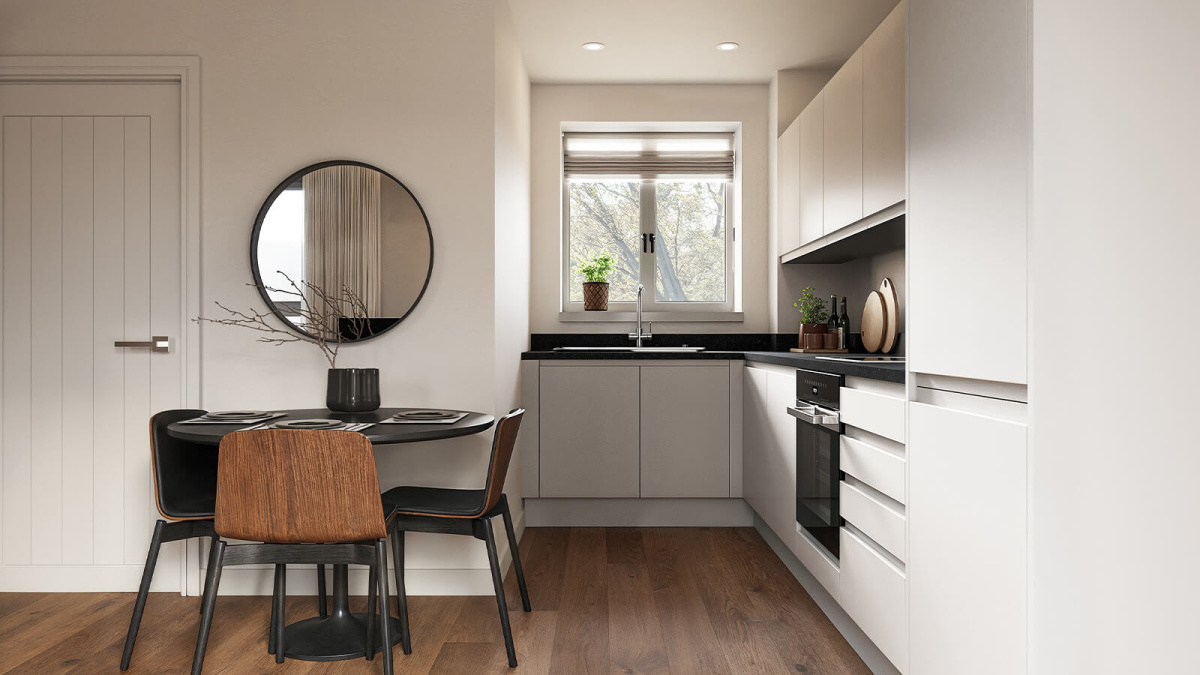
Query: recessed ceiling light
[(727, 46), (593, 46)]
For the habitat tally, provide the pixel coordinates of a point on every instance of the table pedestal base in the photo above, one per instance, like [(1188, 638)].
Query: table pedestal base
[(337, 637)]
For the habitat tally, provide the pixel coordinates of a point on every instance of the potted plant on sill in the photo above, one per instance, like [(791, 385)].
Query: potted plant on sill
[(812, 316), (595, 270)]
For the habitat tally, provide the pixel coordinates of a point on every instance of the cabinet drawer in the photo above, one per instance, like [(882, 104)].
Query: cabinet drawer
[(876, 467), (876, 413), (873, 594), (812, 556), (877, 520)]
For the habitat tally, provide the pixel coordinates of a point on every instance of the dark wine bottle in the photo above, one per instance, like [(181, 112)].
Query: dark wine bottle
[(833, 315), (843, 326)]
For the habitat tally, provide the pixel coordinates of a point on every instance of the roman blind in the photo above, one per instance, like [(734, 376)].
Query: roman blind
[(649, 155)]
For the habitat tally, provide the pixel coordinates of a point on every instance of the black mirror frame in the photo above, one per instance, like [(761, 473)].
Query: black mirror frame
[(262, 214)]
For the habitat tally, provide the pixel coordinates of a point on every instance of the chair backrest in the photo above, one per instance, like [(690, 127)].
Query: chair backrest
[(298, 486), (185, 473), (503, 444)]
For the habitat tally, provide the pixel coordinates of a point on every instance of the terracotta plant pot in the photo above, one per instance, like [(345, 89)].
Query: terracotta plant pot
[(812, 329), (595, 296)]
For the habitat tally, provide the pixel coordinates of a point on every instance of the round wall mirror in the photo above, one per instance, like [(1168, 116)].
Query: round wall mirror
[(342, 250)]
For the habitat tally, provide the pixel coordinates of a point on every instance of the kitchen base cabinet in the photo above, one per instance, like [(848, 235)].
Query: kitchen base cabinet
[(873, 594), (756, 436), (967, 549), (781, 456), (685, 431), (589, 431)]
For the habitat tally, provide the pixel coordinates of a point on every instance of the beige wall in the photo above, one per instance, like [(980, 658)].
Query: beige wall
[(406, 85), (511, 276), (554, 105)]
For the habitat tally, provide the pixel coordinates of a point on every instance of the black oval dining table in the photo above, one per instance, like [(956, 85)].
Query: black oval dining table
[(341, 634)]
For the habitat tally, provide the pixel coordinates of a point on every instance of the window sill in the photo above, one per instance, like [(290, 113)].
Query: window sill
[(667, 317)]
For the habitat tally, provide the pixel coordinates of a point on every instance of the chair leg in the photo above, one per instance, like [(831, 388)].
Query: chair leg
[(139, 605), (397, 538), (498, 582), (372, 592), (278, 611), (211, 540), (280, 570), (210, 601), (322, 597), (385, 624), (516, 556)]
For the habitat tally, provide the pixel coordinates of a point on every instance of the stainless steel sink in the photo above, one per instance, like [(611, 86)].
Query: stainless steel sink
[(663, 350)]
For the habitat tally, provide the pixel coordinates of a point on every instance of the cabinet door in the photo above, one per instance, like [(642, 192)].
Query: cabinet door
[(589, 431), (883, 114), (968, 104), (781, 457), (812, 170), (787, 205), (844, 145), (756, 431), (967, 542), (685, 431)]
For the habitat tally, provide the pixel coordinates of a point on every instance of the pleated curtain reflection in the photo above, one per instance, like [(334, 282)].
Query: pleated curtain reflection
[(342, 229)]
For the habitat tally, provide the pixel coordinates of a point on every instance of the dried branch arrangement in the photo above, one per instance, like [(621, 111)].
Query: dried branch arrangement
[(322, 314)]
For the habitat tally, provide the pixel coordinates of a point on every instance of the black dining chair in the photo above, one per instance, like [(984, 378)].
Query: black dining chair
[(469, 512), (290, 489), (185, 489)]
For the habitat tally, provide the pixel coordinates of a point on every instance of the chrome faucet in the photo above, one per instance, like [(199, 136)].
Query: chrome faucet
[(639, 335)]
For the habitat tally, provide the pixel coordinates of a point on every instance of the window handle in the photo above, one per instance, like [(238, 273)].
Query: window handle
[(651, 242), (643, 242)]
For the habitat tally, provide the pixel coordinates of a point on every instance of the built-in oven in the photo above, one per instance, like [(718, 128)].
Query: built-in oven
[(818, 445)]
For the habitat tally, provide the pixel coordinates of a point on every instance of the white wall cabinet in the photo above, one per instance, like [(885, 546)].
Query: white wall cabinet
[(685, 431), (883, 120), (968, 174), (967, 542), (852, 138), (589, 431), (788, 193), (843, 145), (812, 170)]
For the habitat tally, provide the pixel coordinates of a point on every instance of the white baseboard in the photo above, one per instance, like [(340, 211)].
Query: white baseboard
[(866, 649), (637, 513), (85, 578)]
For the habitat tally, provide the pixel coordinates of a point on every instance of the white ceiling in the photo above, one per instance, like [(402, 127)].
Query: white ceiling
[(675, 40)]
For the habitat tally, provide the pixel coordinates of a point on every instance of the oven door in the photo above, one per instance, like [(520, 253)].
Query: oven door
[(818, 444)]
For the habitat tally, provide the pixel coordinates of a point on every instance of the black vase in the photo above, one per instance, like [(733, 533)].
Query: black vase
[(352, 389)]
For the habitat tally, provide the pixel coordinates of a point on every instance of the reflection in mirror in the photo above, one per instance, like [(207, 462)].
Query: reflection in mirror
[(342, 250)]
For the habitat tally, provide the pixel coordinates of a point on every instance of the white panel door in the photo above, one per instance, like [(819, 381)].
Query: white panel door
[(883, 149), (967, 546), (91, 254), (781, 457), (812, 170)]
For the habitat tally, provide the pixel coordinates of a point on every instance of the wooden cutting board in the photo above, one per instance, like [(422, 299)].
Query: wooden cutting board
[(874, 322), (891, 307)]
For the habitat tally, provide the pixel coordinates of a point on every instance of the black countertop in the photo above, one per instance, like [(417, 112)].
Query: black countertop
[(753, 347), (888, 372)]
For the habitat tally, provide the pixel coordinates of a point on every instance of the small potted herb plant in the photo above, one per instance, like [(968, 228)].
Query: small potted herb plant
[(595, 270), (812, 317)]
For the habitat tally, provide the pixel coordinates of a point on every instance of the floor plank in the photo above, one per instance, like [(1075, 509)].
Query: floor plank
[(625, 600)]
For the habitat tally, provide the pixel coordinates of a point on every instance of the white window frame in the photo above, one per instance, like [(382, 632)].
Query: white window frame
[(653, 309)]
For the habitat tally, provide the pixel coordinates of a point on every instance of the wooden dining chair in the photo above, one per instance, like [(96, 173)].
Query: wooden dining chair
[(185, 490), (469, 512), (290, 489)]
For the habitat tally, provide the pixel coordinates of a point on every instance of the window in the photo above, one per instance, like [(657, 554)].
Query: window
[(659, 204)]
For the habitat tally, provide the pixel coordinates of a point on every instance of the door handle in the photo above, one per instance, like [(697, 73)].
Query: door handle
[(815, 415), (158, 343)]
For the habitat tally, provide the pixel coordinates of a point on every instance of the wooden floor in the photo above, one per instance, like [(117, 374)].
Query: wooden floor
[(684, 601)]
